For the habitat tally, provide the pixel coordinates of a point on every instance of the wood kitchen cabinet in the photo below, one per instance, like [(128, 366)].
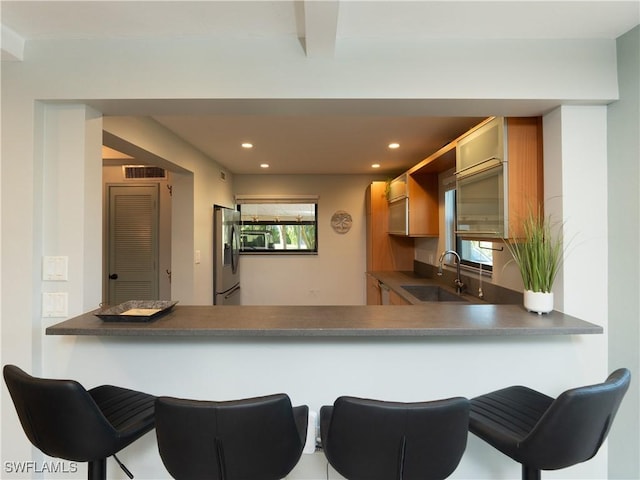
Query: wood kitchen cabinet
[(395, 299), (374, 293), (413, 205), (499, 177), (423, 204), (526, 181), (384, 252)]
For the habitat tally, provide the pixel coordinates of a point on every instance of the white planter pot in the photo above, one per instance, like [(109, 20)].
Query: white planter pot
[(538, 302)]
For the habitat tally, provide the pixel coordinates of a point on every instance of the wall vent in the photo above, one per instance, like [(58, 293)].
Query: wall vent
[(137, 172)]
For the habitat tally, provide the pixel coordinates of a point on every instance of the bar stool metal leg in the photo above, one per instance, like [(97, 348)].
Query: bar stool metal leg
[(97, 470), (529, 473)]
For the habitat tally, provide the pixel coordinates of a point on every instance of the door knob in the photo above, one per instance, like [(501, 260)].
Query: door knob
[(113, 276)]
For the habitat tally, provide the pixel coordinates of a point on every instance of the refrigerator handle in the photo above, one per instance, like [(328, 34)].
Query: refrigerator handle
[(231, 292), (235, 248)]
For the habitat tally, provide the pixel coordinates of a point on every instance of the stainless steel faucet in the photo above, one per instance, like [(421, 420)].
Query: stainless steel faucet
[(458, 282)]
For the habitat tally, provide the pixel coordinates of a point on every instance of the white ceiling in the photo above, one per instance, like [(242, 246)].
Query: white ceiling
[(326, 136), (318, 144)]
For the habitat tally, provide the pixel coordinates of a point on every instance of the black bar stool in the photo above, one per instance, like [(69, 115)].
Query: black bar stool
[(257, 438), (546, 434), (66, 421), (378, 440)]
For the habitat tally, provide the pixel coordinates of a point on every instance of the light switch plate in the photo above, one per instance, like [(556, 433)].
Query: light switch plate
[(55, 268), (55, 304)]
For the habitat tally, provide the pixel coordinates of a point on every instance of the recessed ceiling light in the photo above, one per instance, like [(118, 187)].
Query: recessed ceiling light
[(247, 145), (264, 165), (394, 145), (375, 165)]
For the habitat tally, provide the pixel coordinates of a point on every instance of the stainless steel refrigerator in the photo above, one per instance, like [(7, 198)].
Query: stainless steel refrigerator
[(226, 247)]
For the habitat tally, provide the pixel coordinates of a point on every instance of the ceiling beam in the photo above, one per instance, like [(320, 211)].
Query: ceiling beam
[(321, 26)]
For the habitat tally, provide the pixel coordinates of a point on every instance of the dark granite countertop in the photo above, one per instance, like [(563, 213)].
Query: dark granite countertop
[(429, 319)]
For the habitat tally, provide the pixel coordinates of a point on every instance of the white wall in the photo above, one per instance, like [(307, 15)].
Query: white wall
[(580, 70), (335, 276), (569, 71), (196, 187), (624, 256)]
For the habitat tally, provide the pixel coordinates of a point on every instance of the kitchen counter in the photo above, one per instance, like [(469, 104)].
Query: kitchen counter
[(429, 319), (395, 281)]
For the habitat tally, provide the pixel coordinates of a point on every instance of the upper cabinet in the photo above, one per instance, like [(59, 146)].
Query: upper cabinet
[(499, 180), (498, 177), (413, 205), (384, 251)]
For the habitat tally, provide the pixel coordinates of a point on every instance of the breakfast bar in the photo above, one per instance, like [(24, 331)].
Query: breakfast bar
[(434, 319), (427, 351)]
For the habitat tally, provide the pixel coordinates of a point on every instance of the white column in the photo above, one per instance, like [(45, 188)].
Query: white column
[(72, 199), (575, 174), (579, 136), (70, 152)]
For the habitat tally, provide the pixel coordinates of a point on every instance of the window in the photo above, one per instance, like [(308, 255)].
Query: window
[(473, 253), (278, 225)]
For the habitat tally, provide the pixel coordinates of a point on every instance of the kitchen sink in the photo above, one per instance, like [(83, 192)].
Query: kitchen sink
[(432, 293)]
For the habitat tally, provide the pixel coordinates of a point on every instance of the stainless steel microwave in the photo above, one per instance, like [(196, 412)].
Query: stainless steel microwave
[(482, 182)]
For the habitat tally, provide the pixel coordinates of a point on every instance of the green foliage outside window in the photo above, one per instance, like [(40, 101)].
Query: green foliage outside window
[(278, 228)]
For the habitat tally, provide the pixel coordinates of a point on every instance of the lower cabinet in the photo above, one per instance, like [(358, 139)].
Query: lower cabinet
[(374, 294), (395, 299)]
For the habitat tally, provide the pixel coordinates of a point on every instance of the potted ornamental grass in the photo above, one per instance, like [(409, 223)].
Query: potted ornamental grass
[(538, 255)]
